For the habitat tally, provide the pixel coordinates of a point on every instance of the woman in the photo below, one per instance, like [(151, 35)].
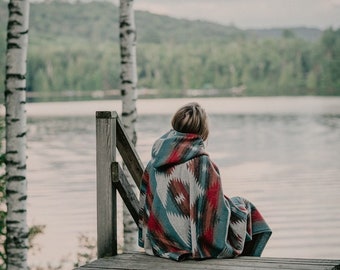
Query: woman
[(183, 211)]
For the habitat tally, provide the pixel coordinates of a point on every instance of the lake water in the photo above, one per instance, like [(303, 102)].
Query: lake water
[(281, 153)]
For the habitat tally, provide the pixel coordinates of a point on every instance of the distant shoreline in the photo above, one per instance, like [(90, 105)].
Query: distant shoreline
[(232, 105)]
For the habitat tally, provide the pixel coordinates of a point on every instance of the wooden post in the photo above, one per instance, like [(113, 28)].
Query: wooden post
[(106, 193)]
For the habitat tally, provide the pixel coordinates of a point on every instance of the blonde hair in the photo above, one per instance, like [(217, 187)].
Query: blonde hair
[(191, 118)]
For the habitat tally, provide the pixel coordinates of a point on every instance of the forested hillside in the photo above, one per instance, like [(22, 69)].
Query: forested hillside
[(74, 48)]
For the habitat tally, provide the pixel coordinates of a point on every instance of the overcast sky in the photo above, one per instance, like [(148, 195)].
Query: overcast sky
[(251, 13)]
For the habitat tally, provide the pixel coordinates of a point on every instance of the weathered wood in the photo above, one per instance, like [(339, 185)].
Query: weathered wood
[(139, 261), (110, 134), (106, 193), (122, 184), (129, 154)]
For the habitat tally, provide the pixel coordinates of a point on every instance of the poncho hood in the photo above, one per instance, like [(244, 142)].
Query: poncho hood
[(175, 148)]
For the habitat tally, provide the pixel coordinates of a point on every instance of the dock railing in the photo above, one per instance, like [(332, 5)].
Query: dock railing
[(110, 136)]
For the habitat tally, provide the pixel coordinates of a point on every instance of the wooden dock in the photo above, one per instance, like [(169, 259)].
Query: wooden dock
[(111, 136), (140, 261)]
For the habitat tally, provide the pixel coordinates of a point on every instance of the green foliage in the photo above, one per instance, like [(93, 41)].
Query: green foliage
[(87, 250), (80, 67), (74, 48), (63, 23), (33, 232), (287, 33)]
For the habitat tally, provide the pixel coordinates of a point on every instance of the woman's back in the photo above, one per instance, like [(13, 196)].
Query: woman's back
[(183, 211)]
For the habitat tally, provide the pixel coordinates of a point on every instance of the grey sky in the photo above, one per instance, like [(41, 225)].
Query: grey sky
[(251, 13)]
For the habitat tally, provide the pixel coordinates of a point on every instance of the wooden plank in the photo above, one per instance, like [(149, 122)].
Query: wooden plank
[(140, 261), (128, 153), (244, 260), (122, 184), (106, 193)]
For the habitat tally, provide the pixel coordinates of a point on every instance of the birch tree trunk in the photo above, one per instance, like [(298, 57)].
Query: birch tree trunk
[(15, 102), (128, 80)]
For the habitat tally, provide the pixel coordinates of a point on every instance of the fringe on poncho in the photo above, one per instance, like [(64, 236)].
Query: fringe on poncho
[(183, 211)]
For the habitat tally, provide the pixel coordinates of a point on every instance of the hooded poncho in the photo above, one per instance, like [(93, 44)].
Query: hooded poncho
[(183, 211)]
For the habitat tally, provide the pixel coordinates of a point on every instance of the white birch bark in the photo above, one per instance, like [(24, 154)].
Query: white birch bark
[(15, 102), (128, 79)]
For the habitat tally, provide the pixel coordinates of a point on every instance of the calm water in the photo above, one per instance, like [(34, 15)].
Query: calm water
[(283, 154)]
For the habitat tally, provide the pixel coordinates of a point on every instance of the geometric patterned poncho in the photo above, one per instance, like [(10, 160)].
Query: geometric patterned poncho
[(183, 212)]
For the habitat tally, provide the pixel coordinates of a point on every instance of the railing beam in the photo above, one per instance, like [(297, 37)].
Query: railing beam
[(123, 186), (129, 154)]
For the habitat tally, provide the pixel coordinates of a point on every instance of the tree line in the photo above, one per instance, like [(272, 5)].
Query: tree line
[(171, 58), (286, 66)]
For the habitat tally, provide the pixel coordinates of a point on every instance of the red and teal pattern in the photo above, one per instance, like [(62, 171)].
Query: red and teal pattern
[(183, 211)]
